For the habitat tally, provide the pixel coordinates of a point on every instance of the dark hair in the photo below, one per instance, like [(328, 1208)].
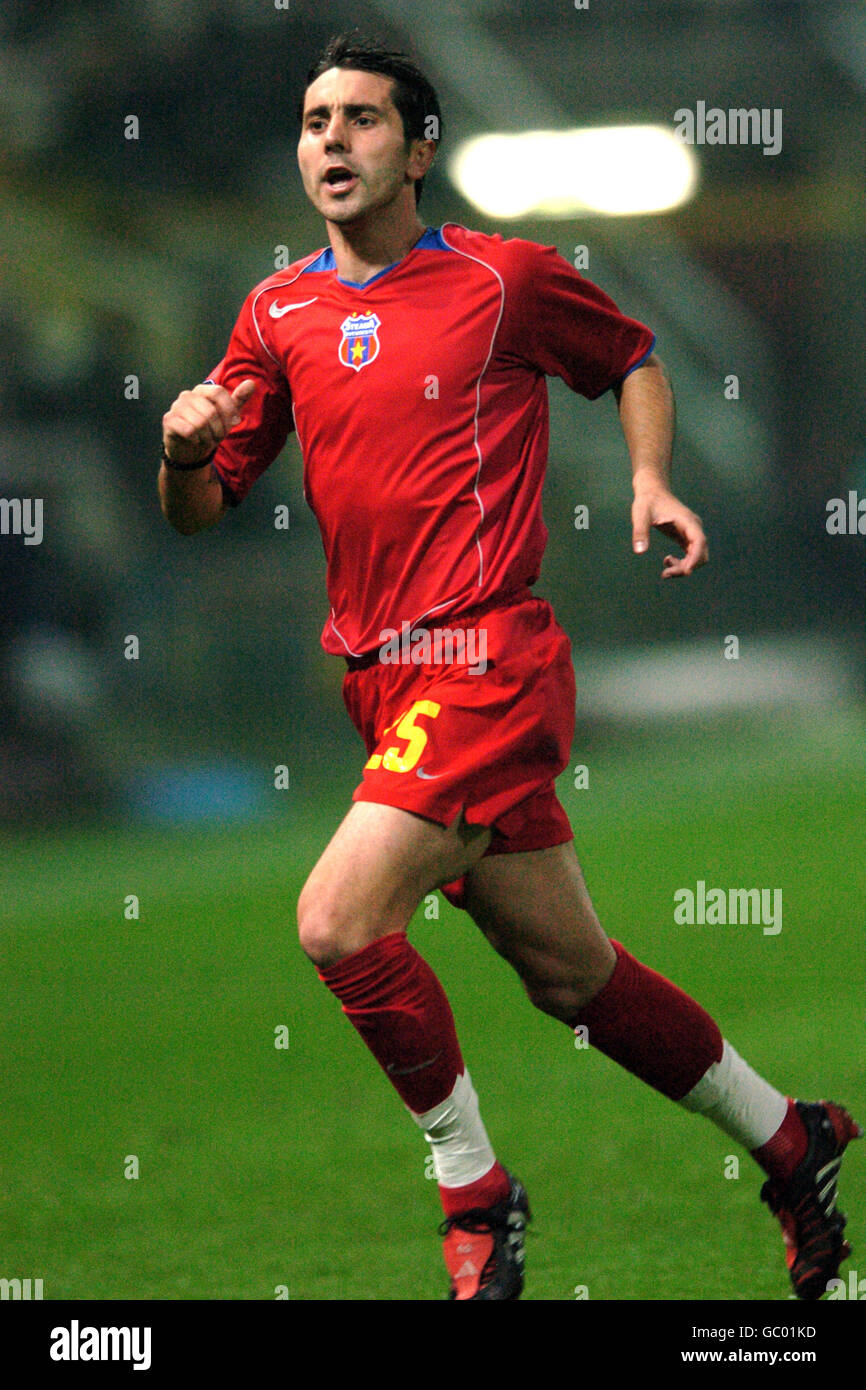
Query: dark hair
[(413, 95)]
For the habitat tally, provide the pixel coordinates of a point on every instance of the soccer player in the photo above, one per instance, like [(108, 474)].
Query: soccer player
[(411, 362)]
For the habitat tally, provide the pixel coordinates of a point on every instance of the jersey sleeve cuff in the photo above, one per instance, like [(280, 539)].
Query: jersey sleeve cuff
[(641, 360)]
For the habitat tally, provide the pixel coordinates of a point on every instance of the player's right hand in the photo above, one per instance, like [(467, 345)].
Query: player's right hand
[(197, 422)]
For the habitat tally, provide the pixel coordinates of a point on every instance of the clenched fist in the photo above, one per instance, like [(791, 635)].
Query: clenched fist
[(197, 422)]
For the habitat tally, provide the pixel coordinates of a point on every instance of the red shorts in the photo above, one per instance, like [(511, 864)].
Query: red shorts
[(483, 727)]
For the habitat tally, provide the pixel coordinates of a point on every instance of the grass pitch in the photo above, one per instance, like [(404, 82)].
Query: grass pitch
[(259, 1166)]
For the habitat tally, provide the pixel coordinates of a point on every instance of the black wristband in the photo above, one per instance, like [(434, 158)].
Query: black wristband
[(185, 467)]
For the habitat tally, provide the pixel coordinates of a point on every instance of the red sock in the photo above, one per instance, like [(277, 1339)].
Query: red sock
[(390, 994), (785, 1149), (484, 1192), (650, 1027)]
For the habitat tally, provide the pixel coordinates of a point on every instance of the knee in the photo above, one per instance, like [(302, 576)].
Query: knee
[(322, 932)]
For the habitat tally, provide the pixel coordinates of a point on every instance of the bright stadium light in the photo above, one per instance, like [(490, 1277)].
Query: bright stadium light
[(616, 170)]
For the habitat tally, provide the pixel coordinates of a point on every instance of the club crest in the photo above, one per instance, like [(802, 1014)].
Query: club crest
[(359, 345)]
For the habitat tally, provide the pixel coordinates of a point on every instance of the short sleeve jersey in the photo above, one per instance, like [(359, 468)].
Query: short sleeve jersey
[(420, 405)]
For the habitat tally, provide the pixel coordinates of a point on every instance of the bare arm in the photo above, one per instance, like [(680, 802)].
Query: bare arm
[(646, 411), (191, 501), (192, 429)]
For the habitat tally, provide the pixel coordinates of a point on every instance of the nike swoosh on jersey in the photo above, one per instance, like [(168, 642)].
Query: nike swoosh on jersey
[(276, 311), (428, 776)]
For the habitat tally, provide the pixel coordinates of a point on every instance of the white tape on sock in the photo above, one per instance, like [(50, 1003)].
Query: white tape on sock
[(738, 1100), (457, 1138)]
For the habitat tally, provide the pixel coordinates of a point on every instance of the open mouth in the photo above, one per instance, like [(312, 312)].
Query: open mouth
[(339, 179)]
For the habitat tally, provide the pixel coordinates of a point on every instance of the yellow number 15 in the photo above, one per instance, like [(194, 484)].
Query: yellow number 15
[(392, 760)]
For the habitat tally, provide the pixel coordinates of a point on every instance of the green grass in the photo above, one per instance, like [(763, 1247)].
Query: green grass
[(262, 1167)]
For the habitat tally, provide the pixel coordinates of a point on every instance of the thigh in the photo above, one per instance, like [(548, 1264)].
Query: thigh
[(535, 910), (377, 867)]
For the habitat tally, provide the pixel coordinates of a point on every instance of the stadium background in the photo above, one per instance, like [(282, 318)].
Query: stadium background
[(154, 1036)]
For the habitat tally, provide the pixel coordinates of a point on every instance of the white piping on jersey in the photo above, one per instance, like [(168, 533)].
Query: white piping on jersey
[(341, 637), (284, 284), (333, 624), (428, 612), (301, 447), (495, 272)]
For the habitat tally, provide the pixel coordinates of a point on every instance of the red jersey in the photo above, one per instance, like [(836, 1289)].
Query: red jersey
[(420, 405)]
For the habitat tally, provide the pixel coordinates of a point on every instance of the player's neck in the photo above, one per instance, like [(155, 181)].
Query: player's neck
[(363, 248)]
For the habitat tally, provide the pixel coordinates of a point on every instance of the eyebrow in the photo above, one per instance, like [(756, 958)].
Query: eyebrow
[(351, 109)]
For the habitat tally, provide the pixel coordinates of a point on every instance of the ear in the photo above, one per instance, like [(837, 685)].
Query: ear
[(421, 156)]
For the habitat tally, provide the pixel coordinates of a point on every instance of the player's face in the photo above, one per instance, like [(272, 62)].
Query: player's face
[(352, 151)]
